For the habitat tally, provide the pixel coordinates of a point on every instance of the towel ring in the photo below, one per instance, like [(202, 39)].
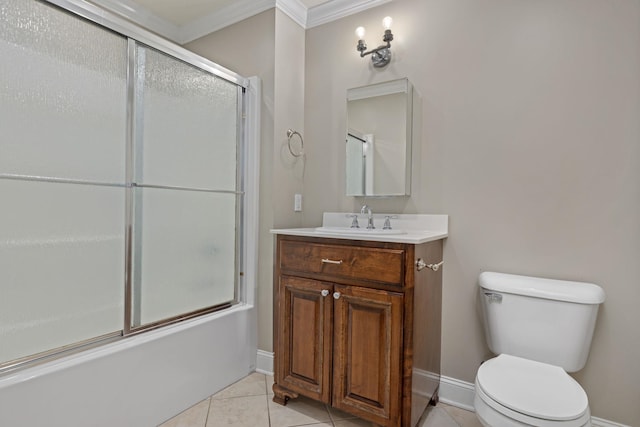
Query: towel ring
[(290, 134)]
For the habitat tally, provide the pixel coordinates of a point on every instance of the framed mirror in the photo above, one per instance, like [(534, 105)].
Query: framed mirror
[(379, 139)]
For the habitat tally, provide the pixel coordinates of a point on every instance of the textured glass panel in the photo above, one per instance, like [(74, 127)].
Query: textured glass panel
[(185, 252), (63, 103), (186, 125), (61, 265)]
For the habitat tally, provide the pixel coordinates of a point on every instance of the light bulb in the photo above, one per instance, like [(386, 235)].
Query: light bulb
[(386, 22), (360, 33)]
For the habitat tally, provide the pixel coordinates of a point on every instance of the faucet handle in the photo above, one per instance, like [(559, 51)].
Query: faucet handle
[(354, 223), (387, 221)]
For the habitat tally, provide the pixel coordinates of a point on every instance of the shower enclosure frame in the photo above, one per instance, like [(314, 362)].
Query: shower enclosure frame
[(246, 221)]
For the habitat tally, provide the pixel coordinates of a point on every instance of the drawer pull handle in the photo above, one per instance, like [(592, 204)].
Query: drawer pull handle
[(330, 261), (324, 292), (336, 295)]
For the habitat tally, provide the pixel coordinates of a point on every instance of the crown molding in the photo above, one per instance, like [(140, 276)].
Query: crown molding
[(295, 10), (336, 9), (142, 16), (235, 12)]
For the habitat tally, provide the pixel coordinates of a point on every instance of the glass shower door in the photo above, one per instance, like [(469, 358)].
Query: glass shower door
[(62, 180), (186, 190), (120, 185)]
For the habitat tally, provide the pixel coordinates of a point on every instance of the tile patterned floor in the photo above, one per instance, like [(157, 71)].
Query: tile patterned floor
[(248, 403)]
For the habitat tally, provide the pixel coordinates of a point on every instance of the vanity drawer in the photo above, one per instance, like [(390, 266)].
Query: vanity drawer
[(354, 262)]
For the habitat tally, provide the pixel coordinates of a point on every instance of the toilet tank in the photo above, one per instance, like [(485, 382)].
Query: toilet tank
[(546, 320)]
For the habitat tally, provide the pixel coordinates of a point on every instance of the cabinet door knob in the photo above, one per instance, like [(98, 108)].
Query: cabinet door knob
[(324, 292), (336, 295)]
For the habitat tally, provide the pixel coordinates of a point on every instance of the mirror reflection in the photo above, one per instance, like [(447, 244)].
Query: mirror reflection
[(378, 143)]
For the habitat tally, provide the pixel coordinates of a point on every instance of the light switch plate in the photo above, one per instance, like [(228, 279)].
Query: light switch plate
[(297, 203)]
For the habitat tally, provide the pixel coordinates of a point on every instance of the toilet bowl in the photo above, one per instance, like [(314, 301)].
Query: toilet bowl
[(512, 391), (540, 329)]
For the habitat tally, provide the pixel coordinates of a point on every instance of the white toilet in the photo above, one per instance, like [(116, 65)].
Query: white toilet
[(540, 329)]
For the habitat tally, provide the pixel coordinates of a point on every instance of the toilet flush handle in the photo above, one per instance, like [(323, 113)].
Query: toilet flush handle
[(493, 297)]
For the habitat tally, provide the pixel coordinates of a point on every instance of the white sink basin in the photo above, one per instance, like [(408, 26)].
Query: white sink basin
[(407, 228), (360, 231)]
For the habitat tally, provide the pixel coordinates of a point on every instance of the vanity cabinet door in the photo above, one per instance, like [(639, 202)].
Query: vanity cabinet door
[(304, 344), (367, 353)]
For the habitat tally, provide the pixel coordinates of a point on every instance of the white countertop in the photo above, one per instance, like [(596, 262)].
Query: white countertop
[(407, 228)]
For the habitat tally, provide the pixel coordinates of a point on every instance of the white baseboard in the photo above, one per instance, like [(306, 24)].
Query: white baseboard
[(424, 380), (264, 362), (599, 422), (456, 393), (461, 394), (452, 391)]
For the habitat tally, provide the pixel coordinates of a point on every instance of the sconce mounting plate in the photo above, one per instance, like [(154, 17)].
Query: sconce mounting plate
[(381, 56)]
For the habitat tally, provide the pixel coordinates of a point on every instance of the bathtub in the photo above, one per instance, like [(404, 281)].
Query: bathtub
[(138, 381)]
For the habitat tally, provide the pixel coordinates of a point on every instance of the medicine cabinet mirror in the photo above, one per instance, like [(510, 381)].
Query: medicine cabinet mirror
[(379, 135)]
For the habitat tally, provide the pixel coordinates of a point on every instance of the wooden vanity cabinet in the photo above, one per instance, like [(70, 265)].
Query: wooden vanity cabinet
[(356, 326)]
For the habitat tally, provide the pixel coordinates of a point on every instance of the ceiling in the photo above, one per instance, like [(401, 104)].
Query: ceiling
[(182, 12), (185, 20)]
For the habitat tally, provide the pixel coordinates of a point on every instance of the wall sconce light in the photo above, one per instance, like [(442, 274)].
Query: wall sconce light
[(381, 55)]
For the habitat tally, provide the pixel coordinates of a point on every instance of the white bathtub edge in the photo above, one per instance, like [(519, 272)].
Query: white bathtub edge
[(138, 381)]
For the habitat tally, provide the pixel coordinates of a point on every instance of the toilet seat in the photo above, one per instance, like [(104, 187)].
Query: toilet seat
[(528, 389)]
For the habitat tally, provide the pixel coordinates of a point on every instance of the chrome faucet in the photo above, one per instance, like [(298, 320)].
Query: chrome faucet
[(367, 210)]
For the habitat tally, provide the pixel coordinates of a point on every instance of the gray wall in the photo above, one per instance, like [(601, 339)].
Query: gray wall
[(530, 141)]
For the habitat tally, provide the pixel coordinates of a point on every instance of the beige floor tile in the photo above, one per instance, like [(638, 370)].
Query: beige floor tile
[(337, 414), (196, 416), (251, 385), (437, 417), (463, 417), (353, 422), (269, 379), (249, 411), (248, 403), (297, 412)]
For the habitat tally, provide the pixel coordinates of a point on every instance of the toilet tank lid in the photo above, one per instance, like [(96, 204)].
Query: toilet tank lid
[(561, 290)]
